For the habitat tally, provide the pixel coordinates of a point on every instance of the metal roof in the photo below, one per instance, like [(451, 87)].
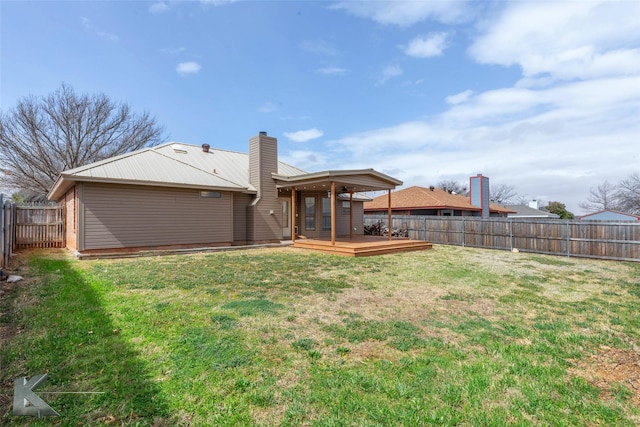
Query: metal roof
[(356, 180), (164, 165), (529, 212)]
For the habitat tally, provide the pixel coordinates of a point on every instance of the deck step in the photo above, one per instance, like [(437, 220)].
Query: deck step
[(363, 248)]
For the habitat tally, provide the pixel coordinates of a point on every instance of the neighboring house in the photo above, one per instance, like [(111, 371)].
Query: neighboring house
[(530, 212), (183, 196), (431, 201), (609, 215)]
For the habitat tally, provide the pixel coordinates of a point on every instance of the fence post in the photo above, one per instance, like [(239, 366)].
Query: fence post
[(2, 231), (425, 229), (463, 232), (568, 240), (511, 232)]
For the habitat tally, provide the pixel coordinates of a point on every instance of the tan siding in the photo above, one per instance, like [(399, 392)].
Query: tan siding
[(342, 221), (267, 226), (358, 217), (263, 225), (121, 216), (240, 203)]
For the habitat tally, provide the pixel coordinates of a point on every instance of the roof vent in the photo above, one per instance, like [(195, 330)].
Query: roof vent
[(205, 148), (432, 188), (177, 148)]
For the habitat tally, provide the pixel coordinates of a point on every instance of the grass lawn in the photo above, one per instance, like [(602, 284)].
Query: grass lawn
[(450, 336)]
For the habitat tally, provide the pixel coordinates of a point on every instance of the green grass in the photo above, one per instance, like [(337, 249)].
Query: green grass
[(451, 336)]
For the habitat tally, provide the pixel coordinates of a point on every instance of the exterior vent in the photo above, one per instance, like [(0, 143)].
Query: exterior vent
[(177, 148), (205, 148)]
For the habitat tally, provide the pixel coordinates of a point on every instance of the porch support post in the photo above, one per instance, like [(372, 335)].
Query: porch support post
[(293, 214), (389, 211), (350, 216), (333, 213)]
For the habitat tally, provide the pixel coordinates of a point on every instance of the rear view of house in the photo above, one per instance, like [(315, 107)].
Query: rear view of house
[(178, 195)]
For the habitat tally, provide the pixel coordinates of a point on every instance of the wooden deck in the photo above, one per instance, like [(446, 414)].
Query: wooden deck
[(362, 245)]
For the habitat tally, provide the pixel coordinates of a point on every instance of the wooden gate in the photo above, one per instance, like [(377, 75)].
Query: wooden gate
[(38, 226)]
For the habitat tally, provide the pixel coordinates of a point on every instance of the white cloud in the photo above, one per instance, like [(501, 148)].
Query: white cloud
[(566, 40), (305, 159), (569, 123), (426, 47), (216, 2), (88, 25), (332, 71), (268, 107), (459, 98), (158, 7), (186, 68), (406, 12), (553, 143), (173, 50), (304, 135), (319, 47), (389, 72)]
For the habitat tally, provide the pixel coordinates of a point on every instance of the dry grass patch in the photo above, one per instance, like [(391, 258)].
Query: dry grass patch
[(614, 371)]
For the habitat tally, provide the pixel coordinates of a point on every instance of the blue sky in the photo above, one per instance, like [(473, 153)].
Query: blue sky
[(543, 95)]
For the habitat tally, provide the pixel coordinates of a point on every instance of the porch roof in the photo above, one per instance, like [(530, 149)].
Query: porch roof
[(346, 181)]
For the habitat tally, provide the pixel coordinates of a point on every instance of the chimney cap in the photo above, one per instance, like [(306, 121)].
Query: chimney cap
[(263, 133)]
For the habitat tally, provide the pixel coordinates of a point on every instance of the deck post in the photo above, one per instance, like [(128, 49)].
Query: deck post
[(389, 211), (333, 213), (350, 216), (293, 214)]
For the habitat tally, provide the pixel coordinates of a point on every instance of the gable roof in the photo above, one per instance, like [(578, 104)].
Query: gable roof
[(609, 214), (170, 165), (416, 197), (521, 211)]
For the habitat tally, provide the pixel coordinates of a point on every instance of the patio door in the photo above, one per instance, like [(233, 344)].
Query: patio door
[(286, 219)]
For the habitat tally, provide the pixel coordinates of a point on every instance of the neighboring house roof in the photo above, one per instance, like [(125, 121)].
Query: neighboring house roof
[(529, 212), (414, 198), (609, 215), (173, 165)]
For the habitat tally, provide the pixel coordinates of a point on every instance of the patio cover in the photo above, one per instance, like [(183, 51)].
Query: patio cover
[(337, 181)]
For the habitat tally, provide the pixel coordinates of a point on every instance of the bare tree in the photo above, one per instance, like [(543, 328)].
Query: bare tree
[(602, 197), (452, 186), (522, 200), (503, 194), (628, 194), (43, 136)]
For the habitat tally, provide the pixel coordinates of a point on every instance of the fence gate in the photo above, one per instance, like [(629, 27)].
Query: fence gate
[(39, 226)]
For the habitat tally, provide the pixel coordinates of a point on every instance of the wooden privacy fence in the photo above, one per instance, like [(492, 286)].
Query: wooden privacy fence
[(5, 231), (38, 226), (590, 239)]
